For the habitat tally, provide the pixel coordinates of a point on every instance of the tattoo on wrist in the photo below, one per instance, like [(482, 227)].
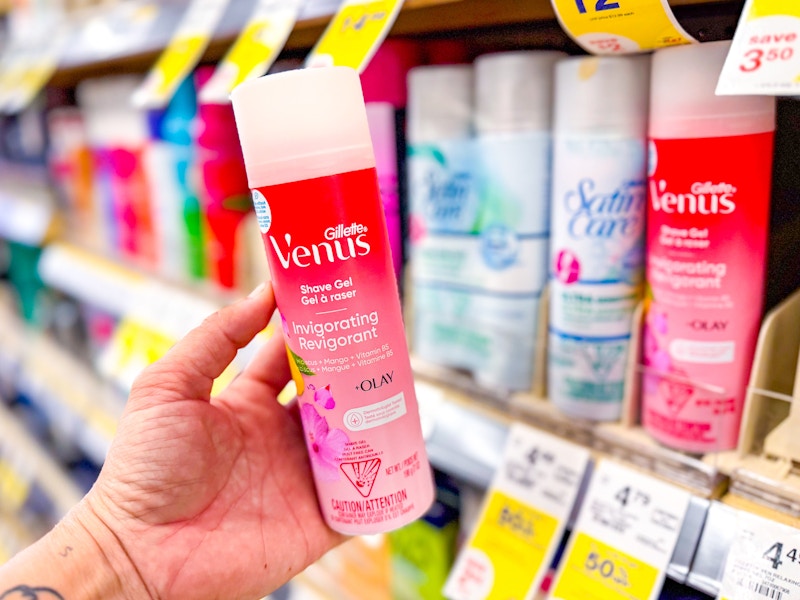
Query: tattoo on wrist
[(24, 592)]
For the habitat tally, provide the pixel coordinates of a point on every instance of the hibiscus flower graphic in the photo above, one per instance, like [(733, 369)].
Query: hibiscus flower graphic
[(325, 445)]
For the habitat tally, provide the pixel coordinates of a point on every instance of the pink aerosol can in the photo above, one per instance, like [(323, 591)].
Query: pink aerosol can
[(311, 168)]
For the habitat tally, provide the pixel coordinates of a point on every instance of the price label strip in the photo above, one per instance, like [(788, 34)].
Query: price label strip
[(354, 34), (181, 55), (255, 50), (623, 539), (765, 53), (29, 64), (620, 26), (763, 561), (14, 487), (522, 519)]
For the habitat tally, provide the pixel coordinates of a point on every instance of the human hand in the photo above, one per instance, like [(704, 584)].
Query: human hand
[(209, 497)]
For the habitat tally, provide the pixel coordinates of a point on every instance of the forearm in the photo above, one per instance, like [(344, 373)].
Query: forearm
[(78, 559)]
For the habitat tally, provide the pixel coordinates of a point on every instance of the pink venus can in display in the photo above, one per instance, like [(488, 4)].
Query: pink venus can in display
[(311, 168), (710, 165)]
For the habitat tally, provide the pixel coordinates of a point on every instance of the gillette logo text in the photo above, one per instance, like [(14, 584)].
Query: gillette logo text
[(342, 242), (704, 198)]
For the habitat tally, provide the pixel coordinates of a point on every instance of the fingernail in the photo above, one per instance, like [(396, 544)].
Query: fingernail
[(258, 290)]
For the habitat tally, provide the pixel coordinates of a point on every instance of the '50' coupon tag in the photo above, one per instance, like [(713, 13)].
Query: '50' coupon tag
[(624, 537)]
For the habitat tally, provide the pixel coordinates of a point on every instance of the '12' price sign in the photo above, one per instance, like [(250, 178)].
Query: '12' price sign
[(623, 538), (620, 26), (765, 53), (763, 562)]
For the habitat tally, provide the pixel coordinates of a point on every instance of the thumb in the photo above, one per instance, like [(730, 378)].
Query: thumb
[(188, 370)]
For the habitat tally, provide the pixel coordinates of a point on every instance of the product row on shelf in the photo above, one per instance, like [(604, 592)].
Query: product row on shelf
[(468, 441), (625, 279)]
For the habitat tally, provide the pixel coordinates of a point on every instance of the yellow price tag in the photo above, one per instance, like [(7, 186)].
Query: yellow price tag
[(13, 488), (355, 33), (181, 55), (513, 534), (522, 521), (255, 50), (596, 571), (620, 26), (176, 62), (765, 53), (28, 66)]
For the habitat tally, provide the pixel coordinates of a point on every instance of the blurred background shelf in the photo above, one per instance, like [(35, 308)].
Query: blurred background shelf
[(129, 37)]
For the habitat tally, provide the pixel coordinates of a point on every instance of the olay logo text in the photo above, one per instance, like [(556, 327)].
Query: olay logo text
[(343, 242), (704, 198)]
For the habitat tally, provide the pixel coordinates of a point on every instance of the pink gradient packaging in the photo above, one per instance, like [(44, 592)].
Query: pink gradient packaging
[(311, 167), (710, 160)]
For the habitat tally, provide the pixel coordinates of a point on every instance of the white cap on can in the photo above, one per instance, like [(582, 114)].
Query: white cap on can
[(602, 93), (302, 124), (439, 103), (514, 90), (683, 103)]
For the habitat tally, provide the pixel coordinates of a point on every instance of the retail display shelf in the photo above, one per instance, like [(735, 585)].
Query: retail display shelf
[(129, 35), (50, 477), (76, 401), (124, 292), (630, 444), (466, 438), (27, 209)]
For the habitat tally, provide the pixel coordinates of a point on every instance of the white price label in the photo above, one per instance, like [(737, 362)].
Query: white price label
[(763, 562), (624, 536), (522, 519), (765, 53)]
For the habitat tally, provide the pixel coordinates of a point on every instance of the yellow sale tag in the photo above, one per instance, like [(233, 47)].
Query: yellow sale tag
[(181, 55), (28, 64), (765, 53), (522, 520), (620, 26), (596, 571), (354, 34), (512, 534), (13, 488), (255, 50)]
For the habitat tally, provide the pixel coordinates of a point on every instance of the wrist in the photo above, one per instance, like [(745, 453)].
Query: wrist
[(79, 559)]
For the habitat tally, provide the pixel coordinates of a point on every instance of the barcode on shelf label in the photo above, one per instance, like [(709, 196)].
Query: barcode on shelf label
[(764, 57), (763, 562), (765, 590), (522, 519)]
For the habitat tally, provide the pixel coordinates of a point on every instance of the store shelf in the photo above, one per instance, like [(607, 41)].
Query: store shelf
[(124, 292), (60, 489), (27, 205), (466, 438), (129, 37)]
